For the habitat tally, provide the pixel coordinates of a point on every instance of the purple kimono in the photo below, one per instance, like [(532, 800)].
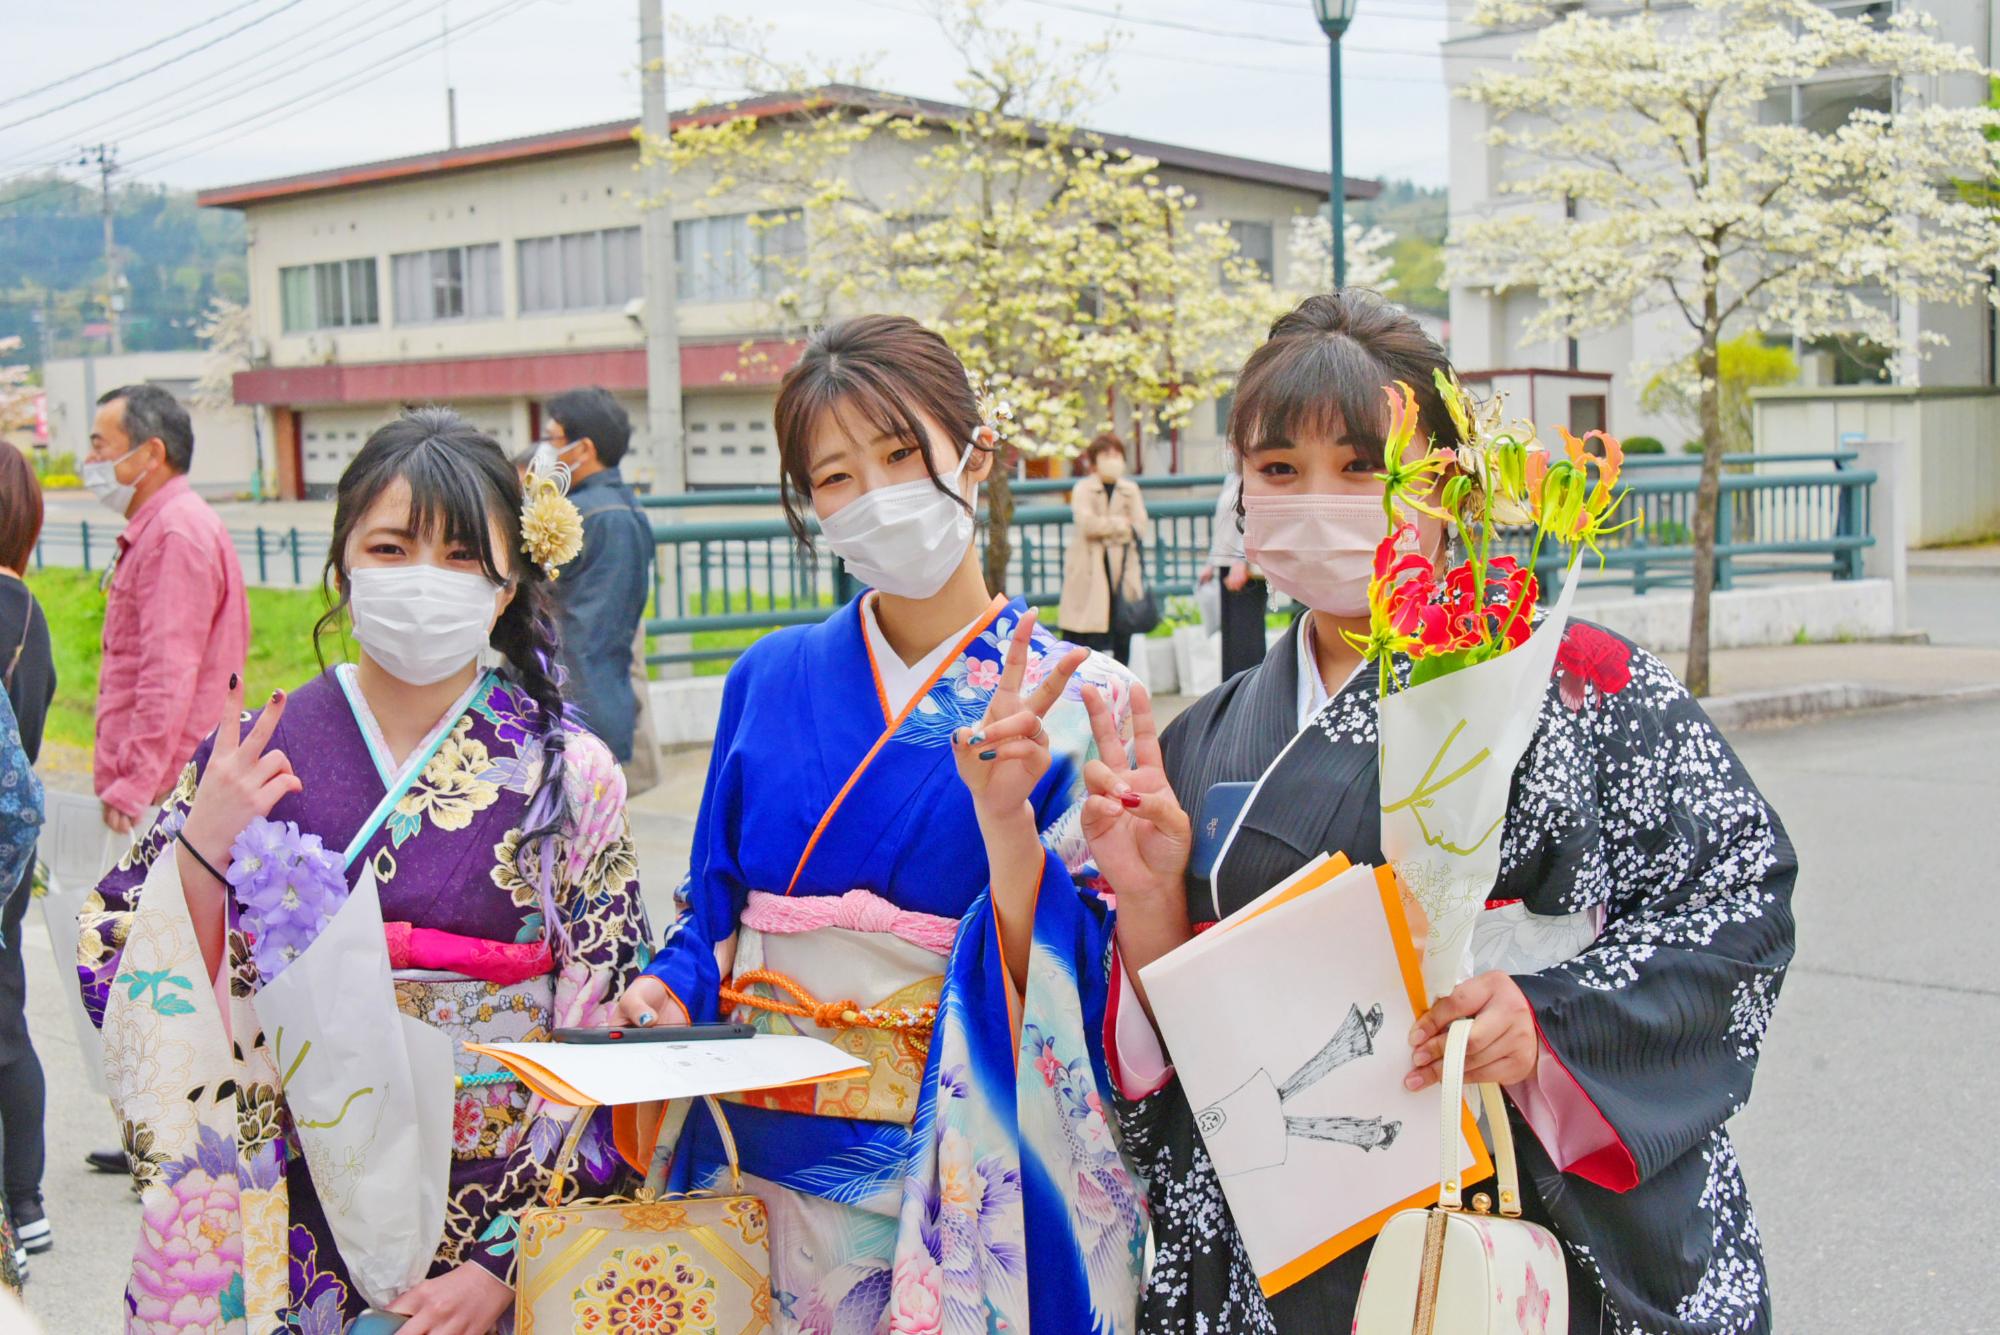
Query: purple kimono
[(459, 921)]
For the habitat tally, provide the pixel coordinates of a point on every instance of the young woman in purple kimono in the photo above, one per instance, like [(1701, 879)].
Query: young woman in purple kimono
[(496, 835), (887, 856)]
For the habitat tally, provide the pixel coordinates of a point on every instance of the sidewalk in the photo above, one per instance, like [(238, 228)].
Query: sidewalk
[(1977, 559)]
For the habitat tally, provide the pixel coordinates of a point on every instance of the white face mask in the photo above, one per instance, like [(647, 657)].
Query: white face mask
[(101, 477), (420, 622), (906, 539)]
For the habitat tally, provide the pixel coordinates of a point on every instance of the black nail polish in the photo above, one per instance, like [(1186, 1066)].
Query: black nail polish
[(988, 755), (232, 681)]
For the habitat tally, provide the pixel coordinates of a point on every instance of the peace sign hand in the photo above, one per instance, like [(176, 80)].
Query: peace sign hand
[(241, 782), (1139, 835), (1005, 756)]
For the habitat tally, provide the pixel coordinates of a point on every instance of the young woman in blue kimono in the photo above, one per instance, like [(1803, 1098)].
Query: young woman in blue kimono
[(887, 856), (441, 761), (1629, 956)]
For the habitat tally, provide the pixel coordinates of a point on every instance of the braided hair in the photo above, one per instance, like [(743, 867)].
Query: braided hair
[(463, 486)]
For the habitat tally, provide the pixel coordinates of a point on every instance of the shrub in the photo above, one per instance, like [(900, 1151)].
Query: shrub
[(1644, 445)]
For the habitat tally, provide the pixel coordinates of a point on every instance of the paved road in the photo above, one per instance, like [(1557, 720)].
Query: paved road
[(1863, 1144)]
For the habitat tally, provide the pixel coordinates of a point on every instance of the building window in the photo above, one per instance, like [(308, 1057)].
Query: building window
[(584, 271), (1254, 243), (726, 258), (338, 295), (1222, 407), (457, 283)]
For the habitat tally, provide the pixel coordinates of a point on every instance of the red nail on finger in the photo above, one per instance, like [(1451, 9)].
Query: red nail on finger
[(1129, 801)]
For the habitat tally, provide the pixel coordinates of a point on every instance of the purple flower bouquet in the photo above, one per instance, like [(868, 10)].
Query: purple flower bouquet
[(289, 885)]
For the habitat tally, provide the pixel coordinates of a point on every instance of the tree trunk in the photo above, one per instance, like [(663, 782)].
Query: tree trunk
[(1000, 526), (1707, 503)]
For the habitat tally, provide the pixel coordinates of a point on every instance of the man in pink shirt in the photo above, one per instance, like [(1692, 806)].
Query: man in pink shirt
[(176, 624)]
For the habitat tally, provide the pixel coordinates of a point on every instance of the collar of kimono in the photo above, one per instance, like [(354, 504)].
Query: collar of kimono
[(972, 632)]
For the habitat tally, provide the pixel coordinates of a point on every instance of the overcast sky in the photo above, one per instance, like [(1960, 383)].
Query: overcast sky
[(293, 90)]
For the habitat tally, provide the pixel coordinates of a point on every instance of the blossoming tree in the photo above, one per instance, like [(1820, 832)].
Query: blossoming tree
[(1683, 198), (1064, 273), (17, 394)]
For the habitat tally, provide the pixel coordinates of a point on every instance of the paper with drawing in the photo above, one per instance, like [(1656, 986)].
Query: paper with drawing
[(1300, 1097)]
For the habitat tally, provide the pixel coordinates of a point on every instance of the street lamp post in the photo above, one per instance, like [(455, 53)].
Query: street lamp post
[(1334, 16)]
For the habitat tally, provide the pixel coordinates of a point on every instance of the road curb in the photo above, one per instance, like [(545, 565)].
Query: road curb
[(1799, 704)]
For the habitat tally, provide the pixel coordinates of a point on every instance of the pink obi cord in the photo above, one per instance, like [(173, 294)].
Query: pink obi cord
[(501, 962), (857, 911)]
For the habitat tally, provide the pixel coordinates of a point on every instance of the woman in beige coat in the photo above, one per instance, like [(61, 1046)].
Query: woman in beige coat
[(1110, 524)]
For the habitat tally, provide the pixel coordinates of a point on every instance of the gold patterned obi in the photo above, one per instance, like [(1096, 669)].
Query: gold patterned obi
[(855, 971), (487, 1120)]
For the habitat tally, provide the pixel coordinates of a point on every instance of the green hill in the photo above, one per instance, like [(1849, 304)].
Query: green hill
[(175, 256)]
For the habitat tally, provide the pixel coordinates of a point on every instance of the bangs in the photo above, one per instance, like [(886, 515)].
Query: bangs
[(454, 496), (1326, 387), (862, 408)]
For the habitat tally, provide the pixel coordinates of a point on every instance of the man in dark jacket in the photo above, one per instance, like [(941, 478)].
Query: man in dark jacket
[(601, 595)]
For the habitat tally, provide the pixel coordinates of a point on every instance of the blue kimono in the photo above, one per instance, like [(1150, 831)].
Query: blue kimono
[(968, 1183)]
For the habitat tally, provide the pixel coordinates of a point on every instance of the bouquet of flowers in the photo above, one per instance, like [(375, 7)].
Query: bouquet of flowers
[(289, 885), (1452, 733), (368, 1089)]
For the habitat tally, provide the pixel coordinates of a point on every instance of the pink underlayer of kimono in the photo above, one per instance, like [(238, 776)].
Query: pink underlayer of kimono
[(857, 910), (500, 962)]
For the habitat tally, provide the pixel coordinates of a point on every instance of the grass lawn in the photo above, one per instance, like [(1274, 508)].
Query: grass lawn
[(281, 652)]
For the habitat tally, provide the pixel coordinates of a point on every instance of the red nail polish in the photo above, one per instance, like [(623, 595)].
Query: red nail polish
[(1129, 801)]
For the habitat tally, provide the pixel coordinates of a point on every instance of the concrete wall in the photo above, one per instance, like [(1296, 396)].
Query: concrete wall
[(225, 449), (1950, 488)]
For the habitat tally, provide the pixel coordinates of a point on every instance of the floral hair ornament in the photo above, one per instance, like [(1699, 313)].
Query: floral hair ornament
[(551, 528)]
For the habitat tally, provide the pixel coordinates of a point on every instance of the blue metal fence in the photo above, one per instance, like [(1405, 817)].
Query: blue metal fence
[(721, 583)]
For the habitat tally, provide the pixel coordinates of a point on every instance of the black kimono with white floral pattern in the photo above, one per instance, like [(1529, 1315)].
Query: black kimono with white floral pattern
[(1628, 803)]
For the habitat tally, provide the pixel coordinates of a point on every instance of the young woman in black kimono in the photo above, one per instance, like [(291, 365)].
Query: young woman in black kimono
[(1629, 956)]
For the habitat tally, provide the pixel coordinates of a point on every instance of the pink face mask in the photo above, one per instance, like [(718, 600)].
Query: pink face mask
[(1319, 550)]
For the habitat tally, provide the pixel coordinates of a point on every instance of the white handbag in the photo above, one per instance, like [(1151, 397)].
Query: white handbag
[(1444, 1271)]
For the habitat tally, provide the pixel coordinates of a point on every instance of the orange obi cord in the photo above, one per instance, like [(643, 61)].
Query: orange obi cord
[(825, 1014)]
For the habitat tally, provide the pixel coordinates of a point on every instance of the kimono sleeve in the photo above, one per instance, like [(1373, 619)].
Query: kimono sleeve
[(1632, 801), (107, 912), (709, 900), (602, 944)]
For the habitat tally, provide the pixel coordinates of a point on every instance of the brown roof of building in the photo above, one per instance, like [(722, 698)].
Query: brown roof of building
[(612, 133)]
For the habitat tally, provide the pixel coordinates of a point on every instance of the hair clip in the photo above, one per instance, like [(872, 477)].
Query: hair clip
[(551, 528), (996, 418)]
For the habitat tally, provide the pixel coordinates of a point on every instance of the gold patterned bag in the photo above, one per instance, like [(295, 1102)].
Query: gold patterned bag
[(690, 1264)]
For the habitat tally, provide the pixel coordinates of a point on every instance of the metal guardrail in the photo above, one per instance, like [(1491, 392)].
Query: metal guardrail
[(718, 584), (722, 583), (1038, 486)]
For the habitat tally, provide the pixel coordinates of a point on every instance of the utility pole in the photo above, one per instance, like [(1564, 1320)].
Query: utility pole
[(105, 158), (450, 93), (663, 343)]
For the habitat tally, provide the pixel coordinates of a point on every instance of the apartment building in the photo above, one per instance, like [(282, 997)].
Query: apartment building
[(1597, 380), (494, 276)]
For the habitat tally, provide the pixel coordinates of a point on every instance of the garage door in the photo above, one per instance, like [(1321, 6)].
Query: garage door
[(729, 441), (329, 438)]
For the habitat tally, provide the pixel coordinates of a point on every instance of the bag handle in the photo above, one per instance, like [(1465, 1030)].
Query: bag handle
[(566, 1157), (1450, 1193)]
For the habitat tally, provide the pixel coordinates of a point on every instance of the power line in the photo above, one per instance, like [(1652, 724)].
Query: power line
[(232, 91), (120, 59), (154, 69), (1313, 43), (305, 101)]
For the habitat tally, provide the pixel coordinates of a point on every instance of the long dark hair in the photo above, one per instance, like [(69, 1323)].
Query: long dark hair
[(890, 370), (1333, 354), (462, 485)]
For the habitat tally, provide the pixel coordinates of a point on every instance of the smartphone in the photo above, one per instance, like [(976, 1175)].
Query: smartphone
[(664, 1033), (372, 1322)]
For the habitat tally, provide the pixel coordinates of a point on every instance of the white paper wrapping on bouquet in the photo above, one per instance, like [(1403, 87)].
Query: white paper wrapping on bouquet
[(370, 1093), (1449, 748)]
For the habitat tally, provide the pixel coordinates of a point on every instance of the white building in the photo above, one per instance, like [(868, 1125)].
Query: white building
[(1597, 380), (494, 276), (225, 443)]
